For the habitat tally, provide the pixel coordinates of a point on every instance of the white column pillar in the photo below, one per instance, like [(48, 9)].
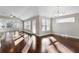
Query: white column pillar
[(51, 25), (37, 25)]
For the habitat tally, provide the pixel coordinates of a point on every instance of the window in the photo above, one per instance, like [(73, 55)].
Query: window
[(45, 24), (27, 25), (17, 25), (34, 26), (48, 24), (1, 25), (65, 20), (9, 25)]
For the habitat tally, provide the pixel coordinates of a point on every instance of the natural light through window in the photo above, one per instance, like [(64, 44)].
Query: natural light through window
[(66, 20), (45, 24), (27, 25), (34, 26)]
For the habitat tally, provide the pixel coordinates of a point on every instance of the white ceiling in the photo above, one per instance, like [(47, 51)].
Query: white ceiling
[(25, 12)]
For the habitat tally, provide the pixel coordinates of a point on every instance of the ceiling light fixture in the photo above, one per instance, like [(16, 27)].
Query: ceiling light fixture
[(11, 15), (12, 10), (59, 11)]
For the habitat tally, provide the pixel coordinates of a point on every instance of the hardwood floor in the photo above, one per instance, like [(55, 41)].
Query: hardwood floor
[(36, 45)]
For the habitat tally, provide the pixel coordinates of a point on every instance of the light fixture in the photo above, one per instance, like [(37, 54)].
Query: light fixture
[(59, 11), (11, 15)]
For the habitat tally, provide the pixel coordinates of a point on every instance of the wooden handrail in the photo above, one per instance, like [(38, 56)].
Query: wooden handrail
[(29, 33), (47, 35), (37, 35)]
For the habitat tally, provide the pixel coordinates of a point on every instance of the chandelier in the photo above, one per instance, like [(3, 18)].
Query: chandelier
[(59, 11)]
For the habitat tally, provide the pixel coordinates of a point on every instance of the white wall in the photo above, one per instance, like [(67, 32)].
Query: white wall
[(71, 29)]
